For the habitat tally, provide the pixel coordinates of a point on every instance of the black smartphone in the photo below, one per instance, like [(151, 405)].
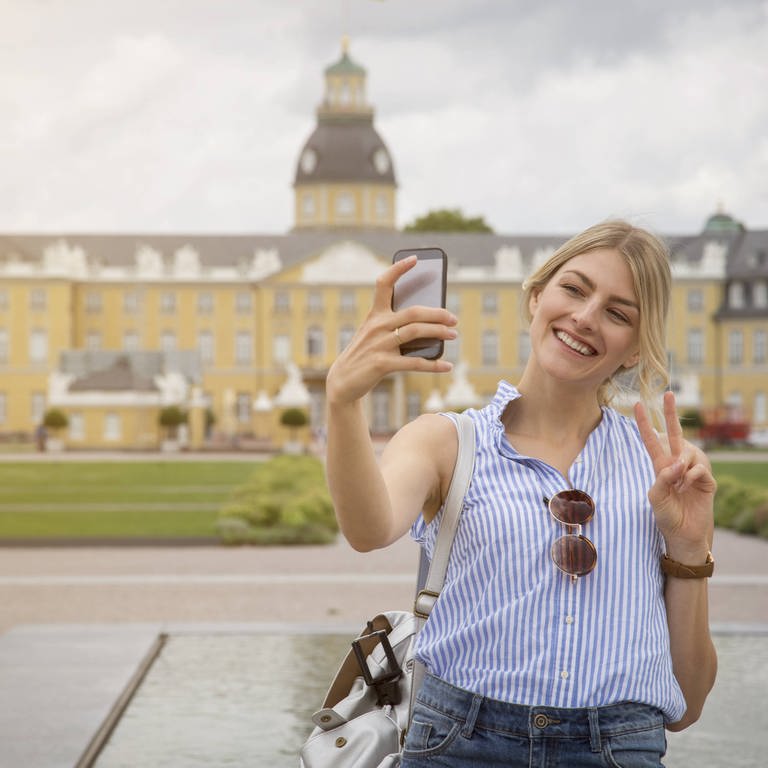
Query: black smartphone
[(423, 285)]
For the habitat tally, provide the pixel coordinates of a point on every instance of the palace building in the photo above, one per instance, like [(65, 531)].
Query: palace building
[(112, 329)]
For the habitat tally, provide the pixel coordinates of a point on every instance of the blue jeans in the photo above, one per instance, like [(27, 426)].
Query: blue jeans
[(453, 728)]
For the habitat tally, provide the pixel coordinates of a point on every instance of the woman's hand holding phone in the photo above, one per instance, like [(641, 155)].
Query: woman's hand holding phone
[(375, 350)]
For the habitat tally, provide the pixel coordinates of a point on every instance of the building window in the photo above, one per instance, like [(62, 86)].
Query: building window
[(93, 303), (453, 302), (347, 301), (76, 427), (3, 300), (243, 302), (205, 303), (490, 303), (37, 300), (282, 302), (243, 348), (130, 302), (281, 349), (308, 205), (345, 204), (490, 347), (38, 346), (695, 300), (37, 407), (523, 347), (315, 345), (759, 411), (735, 347), (3, 407), (382, 206), (452, 351), (113, 428), (205, 346), (314, 301), (760, 295), (168, 341), (130, 341), (3, 346), (736, 295), (93, 341), (345, 336), (243, 408), (412, 406), (695, 345), (759, 347), (380, 407), (167, 302)]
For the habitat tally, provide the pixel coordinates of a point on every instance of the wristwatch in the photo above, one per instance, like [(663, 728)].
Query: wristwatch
[(672, 568)]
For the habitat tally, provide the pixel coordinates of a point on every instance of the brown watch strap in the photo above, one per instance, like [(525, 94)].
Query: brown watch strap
[(678, 570)]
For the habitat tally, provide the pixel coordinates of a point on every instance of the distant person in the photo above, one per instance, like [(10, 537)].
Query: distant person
[(572, 627), (41, 437)]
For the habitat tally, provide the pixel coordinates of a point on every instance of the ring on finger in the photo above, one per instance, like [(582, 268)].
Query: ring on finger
[(397, 333)]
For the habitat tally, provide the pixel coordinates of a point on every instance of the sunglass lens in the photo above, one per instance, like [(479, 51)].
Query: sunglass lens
[(575, 555), (572, 507)]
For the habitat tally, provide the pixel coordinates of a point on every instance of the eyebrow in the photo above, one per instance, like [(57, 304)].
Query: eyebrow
[(590, 284)]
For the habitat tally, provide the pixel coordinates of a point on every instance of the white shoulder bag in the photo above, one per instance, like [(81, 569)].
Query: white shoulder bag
[(367, 709)]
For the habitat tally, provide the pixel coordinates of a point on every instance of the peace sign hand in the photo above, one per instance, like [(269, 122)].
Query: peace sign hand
[(683, 494)]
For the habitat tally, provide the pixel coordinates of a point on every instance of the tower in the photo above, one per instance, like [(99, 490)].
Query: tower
[(344, 176)]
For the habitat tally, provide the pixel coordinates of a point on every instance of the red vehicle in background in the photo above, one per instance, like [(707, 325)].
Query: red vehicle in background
[(724, 426)]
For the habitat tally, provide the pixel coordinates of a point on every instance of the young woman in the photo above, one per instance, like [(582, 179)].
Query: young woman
[(572, 627)]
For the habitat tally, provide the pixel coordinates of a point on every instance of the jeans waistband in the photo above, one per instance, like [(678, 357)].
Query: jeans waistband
[(589, 723)]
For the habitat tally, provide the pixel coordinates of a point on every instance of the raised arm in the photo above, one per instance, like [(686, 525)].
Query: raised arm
[(376, 505), (682, 498)]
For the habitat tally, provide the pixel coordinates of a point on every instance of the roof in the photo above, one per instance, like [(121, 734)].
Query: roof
[(120, 376), (345, 150), (345, 66)]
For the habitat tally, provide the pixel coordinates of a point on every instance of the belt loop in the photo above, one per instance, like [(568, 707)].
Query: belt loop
[(594, 730), (474, 709)]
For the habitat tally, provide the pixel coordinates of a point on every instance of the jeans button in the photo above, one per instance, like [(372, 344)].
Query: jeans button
[(541, 721)]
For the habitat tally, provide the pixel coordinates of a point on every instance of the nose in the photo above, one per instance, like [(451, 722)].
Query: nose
[(584, 315)]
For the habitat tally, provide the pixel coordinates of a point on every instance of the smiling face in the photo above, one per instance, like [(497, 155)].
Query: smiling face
[(585, 321)]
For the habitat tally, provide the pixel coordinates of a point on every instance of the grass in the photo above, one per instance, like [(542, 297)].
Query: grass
[(115, 499), (748, 472)]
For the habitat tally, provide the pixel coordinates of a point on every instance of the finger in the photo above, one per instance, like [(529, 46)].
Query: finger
[(413, 331), (420, 314), (674, 430), (385, 282), (648, 435)]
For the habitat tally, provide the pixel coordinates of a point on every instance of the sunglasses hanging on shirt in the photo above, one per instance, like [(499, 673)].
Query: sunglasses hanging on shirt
[(573, 553)]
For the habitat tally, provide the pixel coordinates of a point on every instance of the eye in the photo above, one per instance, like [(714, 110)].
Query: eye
[(619, 316), (574, 290)]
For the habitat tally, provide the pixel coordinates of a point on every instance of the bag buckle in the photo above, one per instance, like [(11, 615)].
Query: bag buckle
[(424, 603), (387, 691)]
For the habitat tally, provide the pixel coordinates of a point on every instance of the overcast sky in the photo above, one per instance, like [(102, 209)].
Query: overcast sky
[(541, 115)]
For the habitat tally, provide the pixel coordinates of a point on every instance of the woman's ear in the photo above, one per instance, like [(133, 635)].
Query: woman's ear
[(632, 361), (533, 301)]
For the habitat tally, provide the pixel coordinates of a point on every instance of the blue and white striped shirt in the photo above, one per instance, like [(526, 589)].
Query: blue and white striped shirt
[(511, 626)]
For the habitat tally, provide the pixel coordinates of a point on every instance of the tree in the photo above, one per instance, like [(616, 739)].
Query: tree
[(54, 419), (448, 220), (294, 418), (171, 417)]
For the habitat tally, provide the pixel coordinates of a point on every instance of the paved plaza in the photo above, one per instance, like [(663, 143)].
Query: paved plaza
[(76, 622)]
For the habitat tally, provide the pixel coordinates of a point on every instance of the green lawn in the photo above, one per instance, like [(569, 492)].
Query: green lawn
[(749, 472), (120, 499)]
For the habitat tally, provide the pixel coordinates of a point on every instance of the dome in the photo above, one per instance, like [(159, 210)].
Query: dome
[(345, 150), (722, 222)]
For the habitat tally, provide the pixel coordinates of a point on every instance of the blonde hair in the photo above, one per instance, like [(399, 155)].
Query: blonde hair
[(648, 260)]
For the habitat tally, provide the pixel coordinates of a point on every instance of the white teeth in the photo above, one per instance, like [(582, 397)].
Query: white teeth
[(573, 344)]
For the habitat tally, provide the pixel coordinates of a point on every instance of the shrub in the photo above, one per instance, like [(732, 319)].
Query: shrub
[(171, 417), (284, 501), (741, 507), (55, 419)]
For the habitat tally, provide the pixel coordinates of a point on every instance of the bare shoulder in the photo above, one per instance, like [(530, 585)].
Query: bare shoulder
[(424, 450)]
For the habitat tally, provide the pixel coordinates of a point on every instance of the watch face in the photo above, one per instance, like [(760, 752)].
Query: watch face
[(381, 161), (308, 160)]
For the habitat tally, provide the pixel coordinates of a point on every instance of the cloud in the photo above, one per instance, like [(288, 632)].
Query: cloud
[(539, 115)]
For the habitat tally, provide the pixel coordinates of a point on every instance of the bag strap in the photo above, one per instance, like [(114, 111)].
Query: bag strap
[(427, 596), (462, 475)]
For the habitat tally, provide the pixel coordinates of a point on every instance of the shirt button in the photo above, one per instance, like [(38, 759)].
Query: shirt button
[(564, 675), (569, 619)]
